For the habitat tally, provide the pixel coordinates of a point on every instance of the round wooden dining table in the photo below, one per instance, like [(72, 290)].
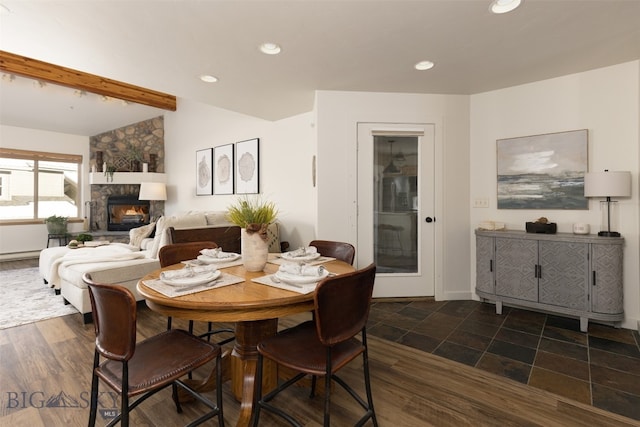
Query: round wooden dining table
[(253, 307)]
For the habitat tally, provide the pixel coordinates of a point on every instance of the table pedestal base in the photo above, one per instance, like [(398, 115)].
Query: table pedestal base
[(240, 366), (244, 360)]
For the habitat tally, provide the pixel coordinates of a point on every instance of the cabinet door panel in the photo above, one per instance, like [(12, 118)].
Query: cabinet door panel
[(564, 274), (484, 264), (515, 268), (606, 280)]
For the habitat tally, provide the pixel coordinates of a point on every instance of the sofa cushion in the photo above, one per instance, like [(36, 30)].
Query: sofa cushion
[(180, 221), (217, 218), (136, 235)]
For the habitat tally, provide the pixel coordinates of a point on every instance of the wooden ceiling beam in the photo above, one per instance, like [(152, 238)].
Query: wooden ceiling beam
[(39, 70)]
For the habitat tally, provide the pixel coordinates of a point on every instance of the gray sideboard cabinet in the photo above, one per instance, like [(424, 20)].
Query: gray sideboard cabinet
[(566, 274)]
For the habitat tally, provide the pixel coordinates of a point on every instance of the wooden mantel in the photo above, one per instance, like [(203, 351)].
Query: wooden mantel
[(39, 70)]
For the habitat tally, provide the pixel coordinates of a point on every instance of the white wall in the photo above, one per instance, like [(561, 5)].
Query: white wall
[(286, 150), (337, 116), (15, 239), (604, 101)]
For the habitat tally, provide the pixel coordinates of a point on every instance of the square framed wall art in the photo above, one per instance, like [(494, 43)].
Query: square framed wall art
[(223, 169), (248, 166), (543, 171), (204, 176)]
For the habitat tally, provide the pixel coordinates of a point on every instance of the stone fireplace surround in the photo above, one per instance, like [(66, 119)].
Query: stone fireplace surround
[(148, 138)]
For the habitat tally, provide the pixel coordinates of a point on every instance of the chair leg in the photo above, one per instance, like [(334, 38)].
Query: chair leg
[(257, 395), (219, 390), (327, 390), (190, 374), (367, 379), (94, 392), (124, 396), (168, 323), (312, 394), (174, 395)]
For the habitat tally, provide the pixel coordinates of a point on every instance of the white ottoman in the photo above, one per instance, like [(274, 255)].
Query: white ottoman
[(125, 273), (47, 258)]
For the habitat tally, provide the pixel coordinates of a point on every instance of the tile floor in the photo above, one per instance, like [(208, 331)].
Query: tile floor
[(601, 367)]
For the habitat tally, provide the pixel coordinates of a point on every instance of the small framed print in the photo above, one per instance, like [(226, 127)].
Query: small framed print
[(204, 172), (248, 166), (223, 169)]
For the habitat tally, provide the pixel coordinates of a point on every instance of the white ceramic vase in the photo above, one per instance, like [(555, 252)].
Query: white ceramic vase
[(255, 251)]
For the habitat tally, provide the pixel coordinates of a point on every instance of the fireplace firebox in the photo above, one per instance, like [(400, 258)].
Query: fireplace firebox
[(126, 212)]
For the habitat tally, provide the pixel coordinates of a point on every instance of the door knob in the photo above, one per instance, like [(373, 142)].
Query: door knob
[(429, 219)]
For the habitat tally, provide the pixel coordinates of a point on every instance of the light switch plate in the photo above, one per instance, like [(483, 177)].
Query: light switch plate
[(481, 202)]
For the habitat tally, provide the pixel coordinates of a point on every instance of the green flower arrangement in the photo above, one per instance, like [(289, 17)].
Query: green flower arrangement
[(246, 212)]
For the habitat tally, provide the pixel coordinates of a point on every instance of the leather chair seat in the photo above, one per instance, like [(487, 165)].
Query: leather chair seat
[(300, 349)]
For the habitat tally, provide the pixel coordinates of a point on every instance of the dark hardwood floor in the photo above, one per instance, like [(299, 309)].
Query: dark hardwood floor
[(450, 363)]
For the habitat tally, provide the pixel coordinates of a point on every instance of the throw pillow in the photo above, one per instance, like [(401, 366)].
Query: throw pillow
[(273, 237), (136, 235)]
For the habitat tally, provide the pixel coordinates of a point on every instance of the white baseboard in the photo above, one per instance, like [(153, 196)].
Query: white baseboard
[(457, 295), (19, 255)]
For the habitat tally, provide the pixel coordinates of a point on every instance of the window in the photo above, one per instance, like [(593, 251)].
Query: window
[(36, 185)]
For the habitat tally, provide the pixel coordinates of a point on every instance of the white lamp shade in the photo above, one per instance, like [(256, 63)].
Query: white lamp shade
[(607, 184), (152, 191)]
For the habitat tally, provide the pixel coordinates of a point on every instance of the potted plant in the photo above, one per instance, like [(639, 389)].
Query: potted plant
[(109, 170), (253, 216), (134, 156), (56, 224)]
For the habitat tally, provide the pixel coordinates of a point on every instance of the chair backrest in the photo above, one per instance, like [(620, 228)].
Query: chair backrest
[(176, 252), (114, 317), (342, 305), (338, 250)]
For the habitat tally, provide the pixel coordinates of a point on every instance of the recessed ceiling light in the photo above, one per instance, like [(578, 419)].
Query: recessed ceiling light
[(208, 78), (270, 48), (504, 6), (424, 65)]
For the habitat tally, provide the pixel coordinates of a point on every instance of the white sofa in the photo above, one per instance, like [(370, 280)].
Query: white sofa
[(119, 263)]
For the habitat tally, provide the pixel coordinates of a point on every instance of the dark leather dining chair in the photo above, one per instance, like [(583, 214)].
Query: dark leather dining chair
[(178, 252), (140, 369), (324, 346), (338, 250)]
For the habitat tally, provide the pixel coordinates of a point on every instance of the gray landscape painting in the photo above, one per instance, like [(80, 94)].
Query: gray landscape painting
[(542, 171)]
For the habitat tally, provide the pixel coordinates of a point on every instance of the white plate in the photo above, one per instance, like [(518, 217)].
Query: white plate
[(200, 279), (300, 280), (309, 257), (210, 260)]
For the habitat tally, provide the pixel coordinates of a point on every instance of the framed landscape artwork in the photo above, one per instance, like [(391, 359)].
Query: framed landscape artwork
[(204, 176), (223, 169), (247, 166), (543, 171)]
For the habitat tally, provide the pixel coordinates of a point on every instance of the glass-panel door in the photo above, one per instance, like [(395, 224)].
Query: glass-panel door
[(395, 207)]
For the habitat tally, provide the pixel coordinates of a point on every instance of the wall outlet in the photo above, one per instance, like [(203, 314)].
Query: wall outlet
[(481, 202)]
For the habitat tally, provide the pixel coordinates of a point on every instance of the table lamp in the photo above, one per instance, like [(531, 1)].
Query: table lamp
[(152, 191), (608, 184)]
